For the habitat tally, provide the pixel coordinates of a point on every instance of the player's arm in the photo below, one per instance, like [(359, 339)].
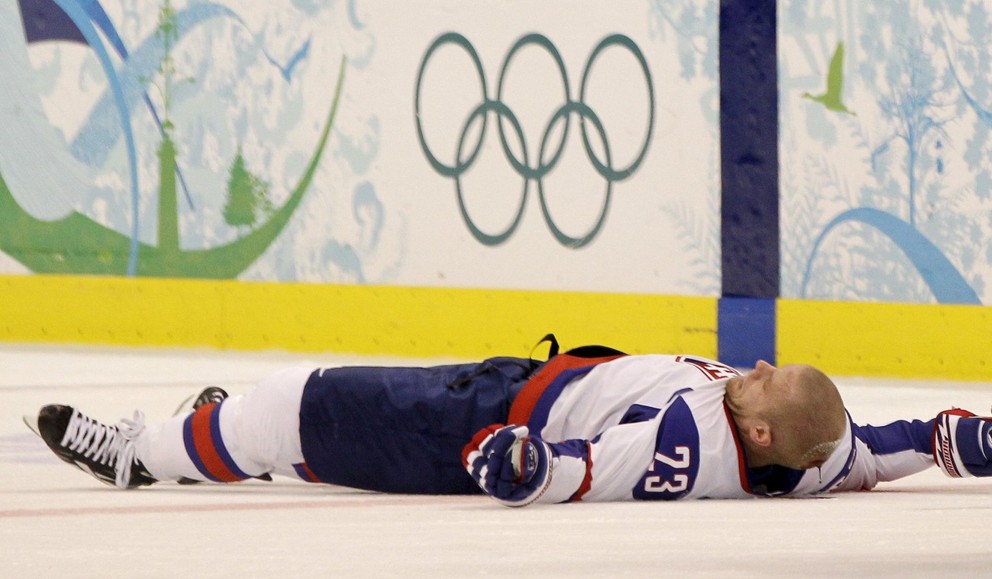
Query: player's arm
[(886, 453), (957, 441), (518, 469)]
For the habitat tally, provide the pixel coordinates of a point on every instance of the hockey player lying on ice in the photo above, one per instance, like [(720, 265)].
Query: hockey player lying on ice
[(591, 424)]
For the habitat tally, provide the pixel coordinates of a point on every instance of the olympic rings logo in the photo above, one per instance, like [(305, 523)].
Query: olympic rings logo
[(467, 153)]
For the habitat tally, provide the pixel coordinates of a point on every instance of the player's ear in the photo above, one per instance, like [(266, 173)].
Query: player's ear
[(760, 433)]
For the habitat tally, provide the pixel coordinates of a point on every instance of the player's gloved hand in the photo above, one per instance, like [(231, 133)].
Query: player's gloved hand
[(510, 466), (962, 443)]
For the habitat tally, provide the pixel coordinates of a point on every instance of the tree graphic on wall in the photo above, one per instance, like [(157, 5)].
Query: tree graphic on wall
[(913, 107), (247, 196), (77, 243), (908, 164)]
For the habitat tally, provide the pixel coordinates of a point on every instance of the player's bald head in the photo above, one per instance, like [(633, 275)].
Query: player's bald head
[(807, 415)]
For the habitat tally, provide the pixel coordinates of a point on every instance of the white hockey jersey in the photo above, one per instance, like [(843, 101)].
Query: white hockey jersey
[(656, 427)]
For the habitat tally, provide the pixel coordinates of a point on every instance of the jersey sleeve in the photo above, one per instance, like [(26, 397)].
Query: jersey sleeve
[(659, 459), (648, 459), (886, 453), (602, 469)]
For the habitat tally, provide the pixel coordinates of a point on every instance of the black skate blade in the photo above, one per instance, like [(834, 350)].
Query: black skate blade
[(184, 406), (32, 423)]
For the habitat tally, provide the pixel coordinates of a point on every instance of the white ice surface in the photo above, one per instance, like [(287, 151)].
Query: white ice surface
[(58, 522)]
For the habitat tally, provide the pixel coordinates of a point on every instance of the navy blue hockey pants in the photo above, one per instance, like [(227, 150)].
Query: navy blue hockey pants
[(402, 430)]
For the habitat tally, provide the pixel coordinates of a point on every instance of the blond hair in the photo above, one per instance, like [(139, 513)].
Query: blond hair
[(807, 419)]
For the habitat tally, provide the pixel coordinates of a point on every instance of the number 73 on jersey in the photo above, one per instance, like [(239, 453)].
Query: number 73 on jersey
[(675, 482)]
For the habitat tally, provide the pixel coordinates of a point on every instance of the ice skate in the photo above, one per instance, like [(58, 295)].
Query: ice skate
[(105, 452), (210, 394)]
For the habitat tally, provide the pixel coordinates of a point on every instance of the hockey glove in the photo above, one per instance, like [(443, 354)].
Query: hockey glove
[(509, 465), (962, 444)]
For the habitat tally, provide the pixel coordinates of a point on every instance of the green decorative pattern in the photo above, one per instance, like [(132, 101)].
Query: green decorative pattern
[(76, 244)]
